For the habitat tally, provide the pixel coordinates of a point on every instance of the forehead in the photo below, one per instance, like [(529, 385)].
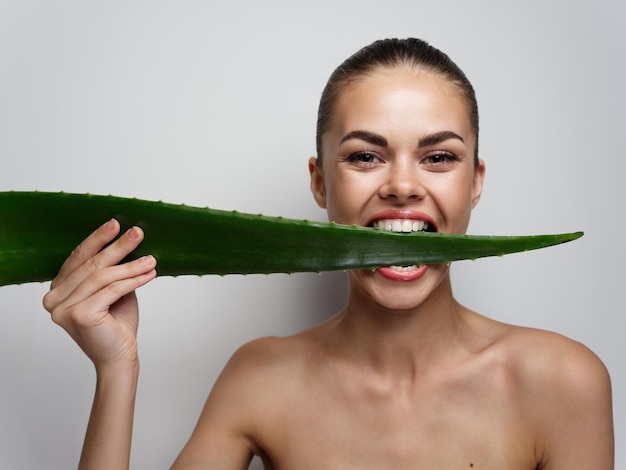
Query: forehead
[(401, 100)]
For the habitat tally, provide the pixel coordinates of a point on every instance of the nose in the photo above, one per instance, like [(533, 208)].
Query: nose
[(403, 183)]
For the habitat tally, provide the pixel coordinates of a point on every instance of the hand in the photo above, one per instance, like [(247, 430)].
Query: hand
[(93, 297)]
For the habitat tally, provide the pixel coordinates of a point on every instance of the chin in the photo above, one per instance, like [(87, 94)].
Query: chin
[(401, 306), (399, 296), (390, 295)]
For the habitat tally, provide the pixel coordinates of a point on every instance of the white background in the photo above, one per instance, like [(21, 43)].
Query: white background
[(200, 103)]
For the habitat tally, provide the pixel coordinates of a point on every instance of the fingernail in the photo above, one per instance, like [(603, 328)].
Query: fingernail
[(132, 233), (148, 259), (110, 224)]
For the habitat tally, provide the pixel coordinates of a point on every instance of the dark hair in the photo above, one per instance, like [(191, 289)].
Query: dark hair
[(393, 53)]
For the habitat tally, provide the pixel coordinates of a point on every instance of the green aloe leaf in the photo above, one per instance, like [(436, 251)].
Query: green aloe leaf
[(38, 230)]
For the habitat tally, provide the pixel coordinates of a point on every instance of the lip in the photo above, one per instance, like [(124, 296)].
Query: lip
[(402, 276), (402, 214), (388, 272)]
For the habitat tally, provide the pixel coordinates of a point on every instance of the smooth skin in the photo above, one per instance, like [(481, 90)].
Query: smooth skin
[(94, 300), (404, 377)]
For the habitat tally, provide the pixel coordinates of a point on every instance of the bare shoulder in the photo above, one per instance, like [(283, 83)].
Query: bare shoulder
[(565, 390), (268, 372), (237, 415), (535, 355), (543, 358), (540, 362), (271, 357), (258, 376)]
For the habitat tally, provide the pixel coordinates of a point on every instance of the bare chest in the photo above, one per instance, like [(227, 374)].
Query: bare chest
[(443, 428)]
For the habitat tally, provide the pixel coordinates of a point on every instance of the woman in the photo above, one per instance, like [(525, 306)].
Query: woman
[(404, 376)]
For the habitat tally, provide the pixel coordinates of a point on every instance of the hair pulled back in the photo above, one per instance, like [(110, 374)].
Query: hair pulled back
[(389, 53)]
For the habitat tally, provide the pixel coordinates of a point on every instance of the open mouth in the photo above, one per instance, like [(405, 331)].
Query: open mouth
[(404, 226)]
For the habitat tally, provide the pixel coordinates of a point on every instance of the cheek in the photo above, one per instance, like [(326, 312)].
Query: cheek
[(454, 199), (338, 206), (344, 199)]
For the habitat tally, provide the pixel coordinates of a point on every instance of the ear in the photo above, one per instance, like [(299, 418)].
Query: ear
[(477, 185), (317, 182)]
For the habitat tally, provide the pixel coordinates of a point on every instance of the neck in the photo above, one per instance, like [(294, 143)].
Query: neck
[(402, 343)]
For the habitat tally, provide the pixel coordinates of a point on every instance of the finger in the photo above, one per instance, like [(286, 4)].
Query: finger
[(112, 277), (109, 256), (101, 301), (87, 249), (116, 251), (63, 287), (120, 290), (91, 299), (100, 332)]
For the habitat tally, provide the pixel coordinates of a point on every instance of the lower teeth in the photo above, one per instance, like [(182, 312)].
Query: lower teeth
[(404, 268)]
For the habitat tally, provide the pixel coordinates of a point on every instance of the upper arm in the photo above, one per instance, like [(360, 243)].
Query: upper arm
[(224, 435), (575, 416)]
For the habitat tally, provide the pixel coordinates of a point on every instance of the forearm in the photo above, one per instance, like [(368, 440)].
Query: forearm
[(109, 433)]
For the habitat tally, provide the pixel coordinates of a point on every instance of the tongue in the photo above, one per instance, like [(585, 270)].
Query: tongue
[(403, 273)]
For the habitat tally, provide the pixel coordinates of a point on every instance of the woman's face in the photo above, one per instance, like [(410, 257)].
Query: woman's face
[(399, 155)]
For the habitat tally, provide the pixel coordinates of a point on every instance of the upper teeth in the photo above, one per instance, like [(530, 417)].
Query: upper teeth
[(401, 225)]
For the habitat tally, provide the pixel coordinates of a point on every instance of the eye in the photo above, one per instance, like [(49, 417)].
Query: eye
[(440, 160), (364, 159)]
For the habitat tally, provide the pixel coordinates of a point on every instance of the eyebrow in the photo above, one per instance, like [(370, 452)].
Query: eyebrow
[(376, 139), (438, 137), (369, 137)]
